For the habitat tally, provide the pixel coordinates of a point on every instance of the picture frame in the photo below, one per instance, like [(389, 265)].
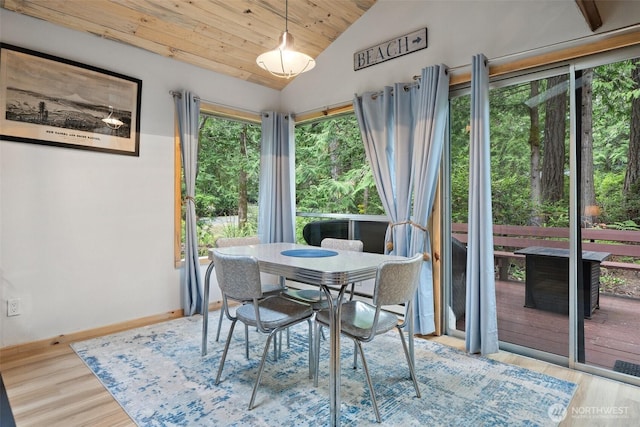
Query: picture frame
[(54, 101)]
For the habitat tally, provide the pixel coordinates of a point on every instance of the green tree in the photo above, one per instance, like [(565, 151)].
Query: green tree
[(332, 173), (229, 160)]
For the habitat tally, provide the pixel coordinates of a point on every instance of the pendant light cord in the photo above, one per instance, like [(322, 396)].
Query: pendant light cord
[(286, 15)]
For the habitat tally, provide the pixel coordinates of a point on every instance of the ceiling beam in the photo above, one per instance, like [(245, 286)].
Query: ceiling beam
[(590, 12)]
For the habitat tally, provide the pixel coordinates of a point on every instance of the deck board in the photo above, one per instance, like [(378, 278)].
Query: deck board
[(612, 333)]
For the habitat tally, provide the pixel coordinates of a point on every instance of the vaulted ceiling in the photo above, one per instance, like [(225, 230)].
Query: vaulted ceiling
[(225, 36)]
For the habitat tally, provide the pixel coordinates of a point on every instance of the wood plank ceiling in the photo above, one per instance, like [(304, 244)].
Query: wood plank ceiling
[(224, 36)]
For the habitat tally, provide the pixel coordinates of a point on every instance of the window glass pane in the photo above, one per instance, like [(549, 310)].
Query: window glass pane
[(530, 201), (332, 172), (227, 181), (333, 175), (609, 100)]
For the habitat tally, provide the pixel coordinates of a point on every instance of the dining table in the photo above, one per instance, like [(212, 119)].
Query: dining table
[(313, 266)]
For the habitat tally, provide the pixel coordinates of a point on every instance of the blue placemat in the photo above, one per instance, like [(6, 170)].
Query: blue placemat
[(309, 253)]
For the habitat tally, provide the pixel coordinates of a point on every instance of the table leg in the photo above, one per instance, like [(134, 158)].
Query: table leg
[(205, 308), (335, 309)]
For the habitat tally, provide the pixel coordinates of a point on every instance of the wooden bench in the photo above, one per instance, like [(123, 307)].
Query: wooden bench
[(509, 238)]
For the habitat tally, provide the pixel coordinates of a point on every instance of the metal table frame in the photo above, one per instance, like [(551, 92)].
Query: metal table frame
[(340, 270)]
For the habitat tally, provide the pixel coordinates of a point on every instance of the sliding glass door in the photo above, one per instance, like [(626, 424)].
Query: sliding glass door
[(529, 172), (565, 167), (608, 138)]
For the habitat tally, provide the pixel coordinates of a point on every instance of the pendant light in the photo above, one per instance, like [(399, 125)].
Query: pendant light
[(284, 61)]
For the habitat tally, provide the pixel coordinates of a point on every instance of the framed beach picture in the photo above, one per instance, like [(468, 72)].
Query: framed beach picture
[(54, 101)]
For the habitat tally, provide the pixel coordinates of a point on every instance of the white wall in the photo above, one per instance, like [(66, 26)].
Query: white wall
[(86, 238), (457, 29)]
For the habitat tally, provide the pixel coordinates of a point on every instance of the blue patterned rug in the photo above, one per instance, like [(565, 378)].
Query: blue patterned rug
[(158, 376)]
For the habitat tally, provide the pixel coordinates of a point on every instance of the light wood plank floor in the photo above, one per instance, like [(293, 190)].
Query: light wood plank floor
[(53, 387)]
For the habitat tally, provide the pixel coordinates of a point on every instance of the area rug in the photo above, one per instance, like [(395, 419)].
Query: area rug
[(158, 376)]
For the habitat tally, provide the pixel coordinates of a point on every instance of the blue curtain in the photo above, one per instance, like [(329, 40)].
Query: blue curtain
[(431, 111), (481, 324), (187, 107), (386, 124), (276, 198), (403, 129)]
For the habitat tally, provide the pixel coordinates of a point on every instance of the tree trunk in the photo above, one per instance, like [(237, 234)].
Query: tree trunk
[(554, 141), (242, 181), (534, 144), (587, 187), (632, 176)]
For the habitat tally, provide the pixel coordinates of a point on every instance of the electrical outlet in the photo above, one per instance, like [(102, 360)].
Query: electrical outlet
[(13, 307)]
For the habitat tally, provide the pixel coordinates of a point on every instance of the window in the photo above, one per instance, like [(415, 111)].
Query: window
[(332, 172), (227, 181), (333, 175)]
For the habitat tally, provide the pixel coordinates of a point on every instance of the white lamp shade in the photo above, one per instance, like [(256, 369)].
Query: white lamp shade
[(285, 62)]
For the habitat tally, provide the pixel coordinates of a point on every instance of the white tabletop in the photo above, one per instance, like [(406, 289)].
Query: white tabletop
[(341, 269)]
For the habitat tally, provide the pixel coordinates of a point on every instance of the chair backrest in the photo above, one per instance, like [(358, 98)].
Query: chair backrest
[(225, 242), (397, 281), (238, 276), (344, 244)]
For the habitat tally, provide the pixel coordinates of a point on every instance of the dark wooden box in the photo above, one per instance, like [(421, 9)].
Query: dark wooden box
[(547, 279)]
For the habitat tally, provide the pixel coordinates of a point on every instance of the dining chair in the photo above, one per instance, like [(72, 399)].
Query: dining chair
[(239, 279), (396, 283), (267, 289)]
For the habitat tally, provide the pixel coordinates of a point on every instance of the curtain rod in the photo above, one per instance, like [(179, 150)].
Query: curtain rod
[(566, 44), (218, 104)]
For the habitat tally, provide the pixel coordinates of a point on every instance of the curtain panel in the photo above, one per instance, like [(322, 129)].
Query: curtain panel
[(431, 111), (276, 195), (187, 107), (403, 129), (481, 324)]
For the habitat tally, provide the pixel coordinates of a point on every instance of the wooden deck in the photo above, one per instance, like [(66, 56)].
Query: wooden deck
[(612, 333)]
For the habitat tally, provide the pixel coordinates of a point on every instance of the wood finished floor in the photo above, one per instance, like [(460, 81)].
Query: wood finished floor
[(53, 387)]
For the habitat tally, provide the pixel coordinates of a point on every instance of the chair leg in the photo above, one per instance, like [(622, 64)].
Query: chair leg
[(355, 356), (316, 351), (246, 330), (312, 358), (261, 368), (220, 322), (409, 362), (275, 348), (224, 353), (366, 371), (288, 336)]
